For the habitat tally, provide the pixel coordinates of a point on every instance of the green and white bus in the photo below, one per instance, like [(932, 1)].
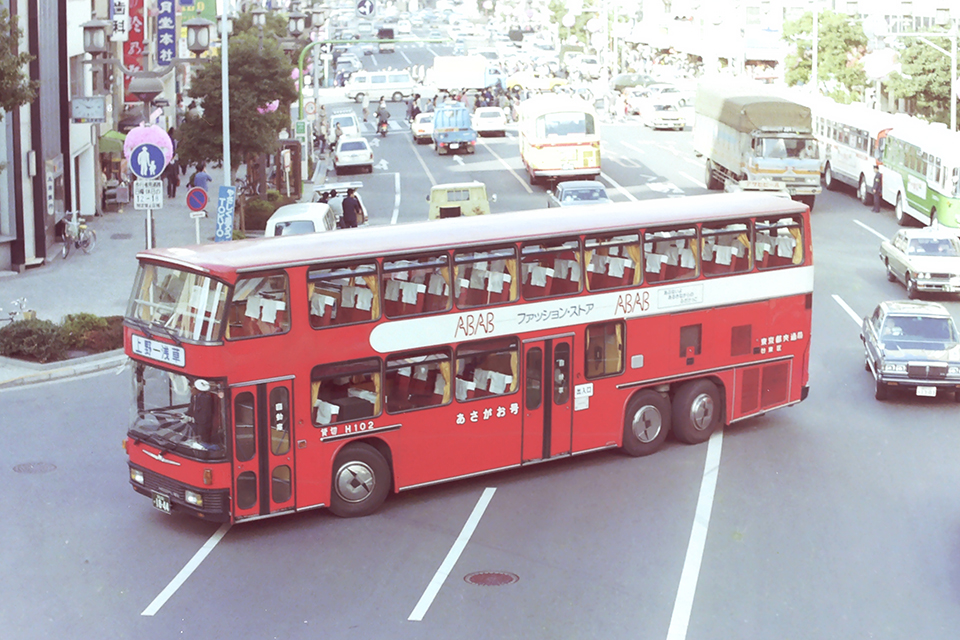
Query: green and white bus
[(921, 172)]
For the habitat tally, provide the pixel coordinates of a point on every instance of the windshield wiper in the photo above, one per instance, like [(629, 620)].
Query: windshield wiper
[(140, 324), (166, 332)]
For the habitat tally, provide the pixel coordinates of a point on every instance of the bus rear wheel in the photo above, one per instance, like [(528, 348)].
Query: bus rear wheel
[(828, 180), (696, 411), (361, 481), (899, 213), (646, 423)]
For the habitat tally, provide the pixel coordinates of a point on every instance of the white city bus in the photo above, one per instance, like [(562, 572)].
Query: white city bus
[(559, 137)]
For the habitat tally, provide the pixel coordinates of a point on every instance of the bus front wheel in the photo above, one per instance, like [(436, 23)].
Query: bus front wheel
[(828, 180), (696, 411), (899, 213), (361, 481), (646, 423)]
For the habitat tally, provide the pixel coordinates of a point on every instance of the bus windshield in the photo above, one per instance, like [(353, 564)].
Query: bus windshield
[(177, 304), (179, 413), (565, 123)]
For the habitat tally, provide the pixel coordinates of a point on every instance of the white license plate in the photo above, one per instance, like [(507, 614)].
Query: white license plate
[(161, 502), (454, 145), (930, 392)]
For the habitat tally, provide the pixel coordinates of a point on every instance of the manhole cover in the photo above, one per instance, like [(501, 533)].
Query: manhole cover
[(491, 578), (121, 236), (35, 467)]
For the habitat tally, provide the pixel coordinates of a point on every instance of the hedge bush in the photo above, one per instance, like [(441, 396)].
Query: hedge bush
[(256, 212), (46, 341)]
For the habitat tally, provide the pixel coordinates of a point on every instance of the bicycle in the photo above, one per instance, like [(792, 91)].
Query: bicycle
[(21, 304), (76, 233)]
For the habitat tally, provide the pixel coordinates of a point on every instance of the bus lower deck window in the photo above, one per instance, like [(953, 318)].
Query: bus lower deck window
[(487, 368), (343, 392), (417, 381)]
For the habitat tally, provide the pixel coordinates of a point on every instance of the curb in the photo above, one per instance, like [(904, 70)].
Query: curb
[(27, 373)]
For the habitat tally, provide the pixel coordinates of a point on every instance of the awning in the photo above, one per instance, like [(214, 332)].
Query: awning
[(112, 142)]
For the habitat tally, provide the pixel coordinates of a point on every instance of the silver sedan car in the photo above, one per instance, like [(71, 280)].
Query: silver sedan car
[(924, 260)]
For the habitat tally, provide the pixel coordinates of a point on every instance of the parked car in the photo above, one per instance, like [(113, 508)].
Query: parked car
[(926, 259), (422, 128), (623, 81), (403, 26), (672, 93), (349, 125), (490, 120), (333, 193), (577, 192), (912, 345), (350, 62), (353, 152)]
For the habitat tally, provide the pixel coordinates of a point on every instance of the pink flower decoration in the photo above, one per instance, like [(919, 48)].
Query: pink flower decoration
[(295, 73), (151, 134), (270, 107)]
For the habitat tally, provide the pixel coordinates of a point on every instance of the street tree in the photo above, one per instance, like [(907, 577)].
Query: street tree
[(924, 79), (841, 45), (16, 88), (260, 76)]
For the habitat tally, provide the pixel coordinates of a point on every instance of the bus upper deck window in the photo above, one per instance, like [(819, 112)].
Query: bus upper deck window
[(726, 248), (613, 262), (778, 243), (343, 295), (485, 277), (670, 254), (260, 307), (416, 285), (550, 269)]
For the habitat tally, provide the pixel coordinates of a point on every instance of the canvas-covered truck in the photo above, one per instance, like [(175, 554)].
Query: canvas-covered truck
[(756, 142)]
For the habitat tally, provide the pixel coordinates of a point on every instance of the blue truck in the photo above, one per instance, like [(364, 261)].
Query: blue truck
[(452, 129)]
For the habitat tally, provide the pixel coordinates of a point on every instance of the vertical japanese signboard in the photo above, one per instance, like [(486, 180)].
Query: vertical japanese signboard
[(119, 20), (133, 47), (166, 32)]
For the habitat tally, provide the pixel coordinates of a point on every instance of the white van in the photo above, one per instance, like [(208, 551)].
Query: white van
[(456, 199), (392, 85), (299, 218)]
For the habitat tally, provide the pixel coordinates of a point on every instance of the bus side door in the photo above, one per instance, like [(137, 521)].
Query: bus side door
[(262, 453), (547, 408)]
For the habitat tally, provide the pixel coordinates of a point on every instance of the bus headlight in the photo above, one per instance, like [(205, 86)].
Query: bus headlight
[(136, 475), (893, 367), (194, 498)]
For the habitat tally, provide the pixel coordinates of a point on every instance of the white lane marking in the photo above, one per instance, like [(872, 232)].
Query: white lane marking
[(396, 200), (409, 63), (846, 307), (634, 147), (447, 566), (187, 570), (871, 230), (692, 179), (616, 185), (523, 183), (683, 605), (458, 160), (413, 144)]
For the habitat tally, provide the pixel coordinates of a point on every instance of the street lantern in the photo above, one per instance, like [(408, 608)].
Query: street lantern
[(96, 36), (297, 23), (259, 17), (198, 34), (316, 16)]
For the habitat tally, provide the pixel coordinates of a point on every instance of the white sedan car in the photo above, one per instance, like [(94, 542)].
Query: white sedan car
[(422, 128), (489, 120), (353, 152)]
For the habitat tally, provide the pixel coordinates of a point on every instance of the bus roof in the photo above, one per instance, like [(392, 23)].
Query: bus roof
[(933, 138), (552, 103), (226, 260)]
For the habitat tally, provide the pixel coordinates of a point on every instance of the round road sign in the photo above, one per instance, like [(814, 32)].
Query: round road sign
[(147, 161), (197, 199)]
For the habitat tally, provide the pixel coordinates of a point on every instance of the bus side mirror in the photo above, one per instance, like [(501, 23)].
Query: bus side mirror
[(493, 198)]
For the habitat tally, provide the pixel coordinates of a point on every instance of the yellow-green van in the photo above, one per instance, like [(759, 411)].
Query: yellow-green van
[(456, 199)]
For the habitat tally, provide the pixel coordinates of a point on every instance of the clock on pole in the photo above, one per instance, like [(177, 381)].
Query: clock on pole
[(366, 8)]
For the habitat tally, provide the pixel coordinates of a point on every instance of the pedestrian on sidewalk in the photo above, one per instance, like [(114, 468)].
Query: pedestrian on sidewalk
[(352, 210), (201, 178), (171, 173)]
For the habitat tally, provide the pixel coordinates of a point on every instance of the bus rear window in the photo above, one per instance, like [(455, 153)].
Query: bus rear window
[(565, 123), (177, 303), (778, 243)]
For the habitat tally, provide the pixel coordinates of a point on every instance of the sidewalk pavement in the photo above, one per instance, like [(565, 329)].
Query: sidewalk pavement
[(99, 282)]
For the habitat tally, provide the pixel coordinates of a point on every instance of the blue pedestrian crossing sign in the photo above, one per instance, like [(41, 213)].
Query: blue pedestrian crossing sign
[(366, 8), (147, 161)]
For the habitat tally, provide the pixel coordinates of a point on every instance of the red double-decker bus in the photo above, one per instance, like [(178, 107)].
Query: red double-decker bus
[(284, 374)]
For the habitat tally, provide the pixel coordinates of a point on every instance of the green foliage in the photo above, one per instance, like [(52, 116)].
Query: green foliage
[(925, 79), (558, 9), (46, 341), (38, 340), (238, 234), (841, 45), (257, 212), (76, 326), (258, 76), (16, 88)]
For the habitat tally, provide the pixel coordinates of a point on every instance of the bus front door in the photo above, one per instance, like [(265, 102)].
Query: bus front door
[(547, 410), (262, 452)]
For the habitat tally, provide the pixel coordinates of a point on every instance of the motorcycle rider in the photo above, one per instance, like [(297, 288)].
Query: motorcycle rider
[(383, 115)]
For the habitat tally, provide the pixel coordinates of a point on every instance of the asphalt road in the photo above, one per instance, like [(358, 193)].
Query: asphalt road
[(837, 518)]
